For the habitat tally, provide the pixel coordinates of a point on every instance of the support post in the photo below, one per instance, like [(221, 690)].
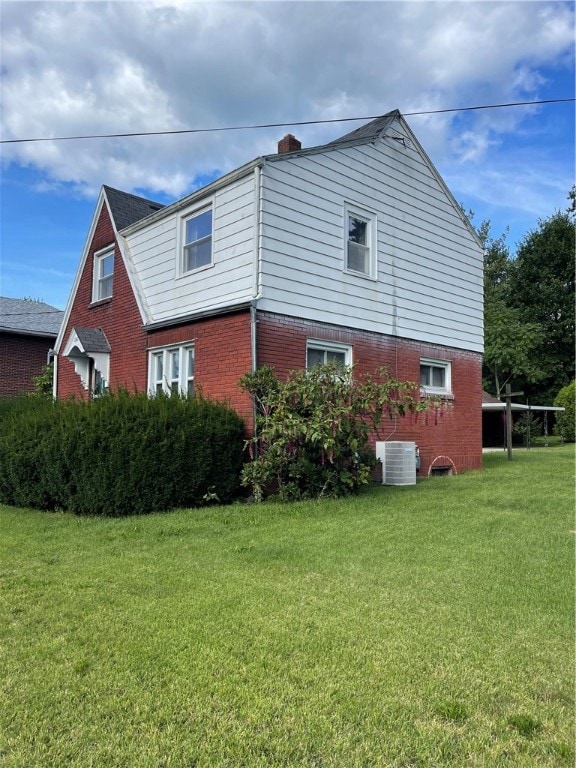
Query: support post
[(508, 397)]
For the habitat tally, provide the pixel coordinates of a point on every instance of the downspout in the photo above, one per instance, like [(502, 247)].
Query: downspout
[(256, 287), (255, 267), (54, 357)]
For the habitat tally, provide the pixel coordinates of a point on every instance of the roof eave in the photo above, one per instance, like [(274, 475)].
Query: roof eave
[(27, 332)]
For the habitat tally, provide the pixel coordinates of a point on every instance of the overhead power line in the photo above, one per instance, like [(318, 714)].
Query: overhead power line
[(280, 125)]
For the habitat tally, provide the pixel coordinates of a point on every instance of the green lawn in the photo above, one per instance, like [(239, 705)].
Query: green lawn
[(407, 627)]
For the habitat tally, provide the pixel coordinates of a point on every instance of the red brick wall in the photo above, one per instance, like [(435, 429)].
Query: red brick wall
[(119, 318), (222, 344), (456, 434), (222, 352), (21, 358)]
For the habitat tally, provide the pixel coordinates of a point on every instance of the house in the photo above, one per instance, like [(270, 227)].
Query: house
[(354, 251), (28, 331)]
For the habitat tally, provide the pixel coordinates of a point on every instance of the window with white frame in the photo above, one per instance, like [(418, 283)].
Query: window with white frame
[(171, 369), (360, 241), (197, 241), (103, 275), (436, 376), (323, 352)]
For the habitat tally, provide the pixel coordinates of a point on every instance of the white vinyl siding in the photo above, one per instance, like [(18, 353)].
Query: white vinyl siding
[(427, 263), (157, 255)]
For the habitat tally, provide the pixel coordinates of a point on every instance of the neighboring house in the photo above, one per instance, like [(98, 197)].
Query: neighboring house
[(354, 251), (28, 331)]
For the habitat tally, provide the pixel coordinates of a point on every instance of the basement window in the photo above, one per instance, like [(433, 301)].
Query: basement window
[(435, 376), (323, 352)]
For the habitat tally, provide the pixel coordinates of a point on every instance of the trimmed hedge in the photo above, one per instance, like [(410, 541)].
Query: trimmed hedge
[(121, 454), (565, 422)]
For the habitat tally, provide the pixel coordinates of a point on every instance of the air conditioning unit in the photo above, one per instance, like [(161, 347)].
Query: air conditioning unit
[(398, 462)]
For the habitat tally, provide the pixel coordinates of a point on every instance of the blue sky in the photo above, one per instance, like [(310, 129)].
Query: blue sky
[(171, 66)]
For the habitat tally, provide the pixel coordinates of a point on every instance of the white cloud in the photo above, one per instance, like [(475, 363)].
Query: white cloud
[(91, 68)]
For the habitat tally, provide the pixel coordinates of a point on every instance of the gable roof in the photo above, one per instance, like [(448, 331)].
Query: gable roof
[(92, 339), (32, 318), (127, 209)]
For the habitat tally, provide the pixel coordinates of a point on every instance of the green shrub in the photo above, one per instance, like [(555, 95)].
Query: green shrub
[(120, 454), (565, 422), (313, 430)]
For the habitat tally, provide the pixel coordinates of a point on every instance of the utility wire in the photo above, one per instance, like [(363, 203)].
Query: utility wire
[(282, 125)]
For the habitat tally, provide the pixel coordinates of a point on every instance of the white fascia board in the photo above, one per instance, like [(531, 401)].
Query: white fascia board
[(79, 271)]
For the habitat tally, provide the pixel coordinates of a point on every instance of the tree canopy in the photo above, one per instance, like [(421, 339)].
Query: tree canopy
[(541, 289), (529, 308)]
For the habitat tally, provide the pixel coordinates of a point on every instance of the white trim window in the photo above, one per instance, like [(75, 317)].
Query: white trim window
[(171, 370), (323, 352), (360, 240), (103, 275), (197, 241), (436, 376)]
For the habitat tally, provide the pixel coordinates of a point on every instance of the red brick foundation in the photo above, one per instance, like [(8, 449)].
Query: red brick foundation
[(455, 432)]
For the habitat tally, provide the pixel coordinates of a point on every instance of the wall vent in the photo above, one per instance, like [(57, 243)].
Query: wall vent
[(398, 462)]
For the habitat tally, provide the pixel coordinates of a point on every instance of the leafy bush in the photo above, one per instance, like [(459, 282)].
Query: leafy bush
[(565, 422), (313, 431), (120, 454)]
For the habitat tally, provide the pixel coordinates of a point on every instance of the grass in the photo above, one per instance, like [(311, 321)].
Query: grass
[(407, 627)]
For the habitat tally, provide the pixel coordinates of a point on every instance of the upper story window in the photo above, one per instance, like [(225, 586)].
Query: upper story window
[(436, 376), (171, 369), (323, 352), (197, 241), (103, 275), (360, 241)]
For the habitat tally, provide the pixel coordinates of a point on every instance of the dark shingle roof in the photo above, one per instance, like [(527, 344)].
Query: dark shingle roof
[(34, 318), (92, 339), (369, 131), (488, 398), (127, 209)]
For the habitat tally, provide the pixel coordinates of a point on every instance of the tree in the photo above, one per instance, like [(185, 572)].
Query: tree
[(509, 342), (43, 383), (541, 289), (509, 347), (566, 422), (313, 430), (497, 264)]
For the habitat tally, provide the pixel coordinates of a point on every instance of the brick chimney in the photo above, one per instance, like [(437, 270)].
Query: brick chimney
[(289, 144)]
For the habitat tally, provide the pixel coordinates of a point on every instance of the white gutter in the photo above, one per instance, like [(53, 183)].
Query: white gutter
[(519, 407)]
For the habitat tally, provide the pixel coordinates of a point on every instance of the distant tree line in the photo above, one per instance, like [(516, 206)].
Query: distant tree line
[(529, 308)]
